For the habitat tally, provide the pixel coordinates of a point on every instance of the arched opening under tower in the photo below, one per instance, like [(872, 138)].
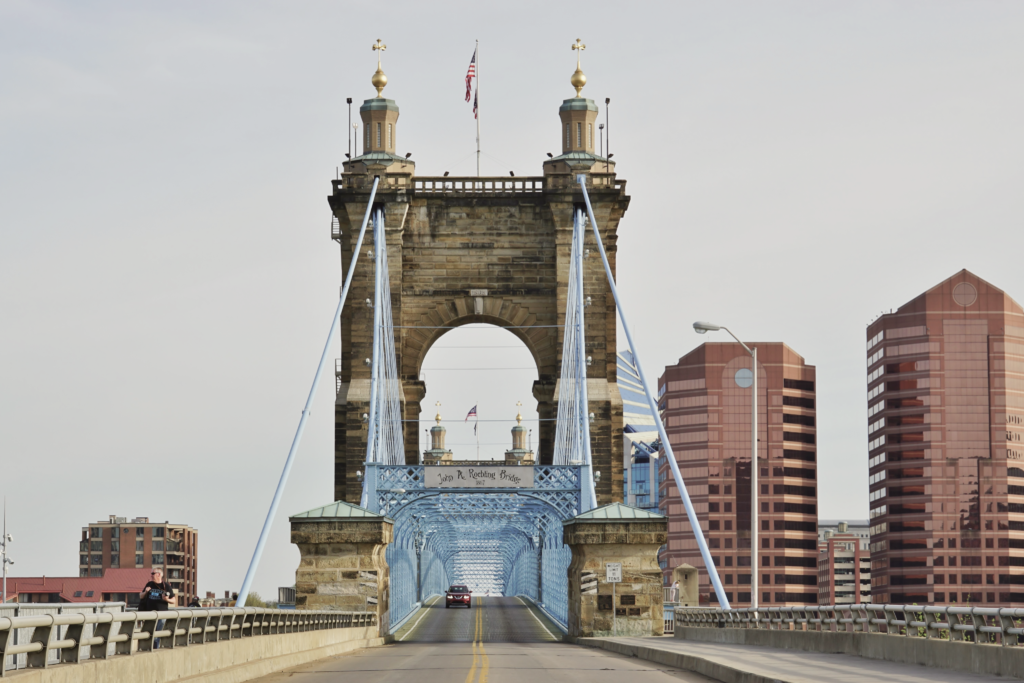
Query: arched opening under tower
[(483, 376)]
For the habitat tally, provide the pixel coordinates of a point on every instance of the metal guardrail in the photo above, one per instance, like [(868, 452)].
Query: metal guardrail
[(28, 609), (979, 625), (114, 634)]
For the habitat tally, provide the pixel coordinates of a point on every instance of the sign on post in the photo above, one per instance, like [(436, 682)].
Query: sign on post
[(613, 575)]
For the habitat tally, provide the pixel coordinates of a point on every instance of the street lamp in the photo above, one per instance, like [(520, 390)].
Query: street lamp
[(349, 101), (5, 540), (703, 328)]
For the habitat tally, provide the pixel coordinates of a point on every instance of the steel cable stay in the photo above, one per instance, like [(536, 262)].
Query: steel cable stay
[(250, 573), (666, 444), (385, 443), (572, 431)]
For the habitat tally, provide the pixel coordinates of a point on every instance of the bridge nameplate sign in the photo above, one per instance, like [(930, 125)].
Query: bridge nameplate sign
[(478, 477)]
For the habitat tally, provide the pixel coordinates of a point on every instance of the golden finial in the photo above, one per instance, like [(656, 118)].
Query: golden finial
[(578, 80), (379, 80), (438, 416), (519, 416)]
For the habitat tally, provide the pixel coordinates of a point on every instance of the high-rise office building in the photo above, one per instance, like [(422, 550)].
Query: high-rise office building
[(945, 430), (140, 543), (706, 408)]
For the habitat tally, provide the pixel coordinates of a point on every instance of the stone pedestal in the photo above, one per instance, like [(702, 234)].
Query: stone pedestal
[(687, 590), (615, 533), (342, 564)]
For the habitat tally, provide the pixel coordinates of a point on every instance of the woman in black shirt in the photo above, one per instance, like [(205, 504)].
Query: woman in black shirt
[(157, 592), (155, 597)]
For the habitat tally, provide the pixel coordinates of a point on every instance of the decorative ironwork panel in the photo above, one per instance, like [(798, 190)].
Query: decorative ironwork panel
[(488, 539)]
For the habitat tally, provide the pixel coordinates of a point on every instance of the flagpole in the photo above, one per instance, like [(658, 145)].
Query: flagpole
[(476, 427), (477, 102)]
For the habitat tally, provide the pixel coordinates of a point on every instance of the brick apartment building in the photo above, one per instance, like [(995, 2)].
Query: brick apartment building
[(705, 403), (118, 543), (946, 458)]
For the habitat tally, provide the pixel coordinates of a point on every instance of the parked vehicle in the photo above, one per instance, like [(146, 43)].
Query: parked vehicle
[(458, 595)]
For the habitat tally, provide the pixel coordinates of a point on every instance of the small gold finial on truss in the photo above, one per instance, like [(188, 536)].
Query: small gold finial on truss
[(379, 80), (519, 416), (578, 80), (438, 416)]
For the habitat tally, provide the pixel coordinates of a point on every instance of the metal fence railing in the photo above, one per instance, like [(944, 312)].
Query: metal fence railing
[(69, 638), (981, 625), (35, 609)]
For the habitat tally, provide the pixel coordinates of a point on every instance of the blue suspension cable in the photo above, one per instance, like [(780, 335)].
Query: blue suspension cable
[(676, 474), (243, 592)]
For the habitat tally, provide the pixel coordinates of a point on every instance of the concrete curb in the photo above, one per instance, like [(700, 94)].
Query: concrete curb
[(546, 614), (700, 665)]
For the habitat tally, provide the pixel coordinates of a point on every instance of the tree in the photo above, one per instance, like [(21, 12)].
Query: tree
[(254, 600)]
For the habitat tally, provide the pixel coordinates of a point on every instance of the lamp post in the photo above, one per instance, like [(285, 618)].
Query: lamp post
[(608, 141), (348, 100), (704, 328), (4, 560)]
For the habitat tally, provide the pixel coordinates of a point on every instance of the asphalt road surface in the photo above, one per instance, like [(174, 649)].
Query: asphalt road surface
[(498, 640)]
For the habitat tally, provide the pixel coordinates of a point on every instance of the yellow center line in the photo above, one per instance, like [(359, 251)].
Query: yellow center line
[(479, 655), (486, 662), (476, 636)]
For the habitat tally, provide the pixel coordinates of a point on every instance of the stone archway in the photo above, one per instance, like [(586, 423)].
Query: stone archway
[(492, 311), (477, 250)]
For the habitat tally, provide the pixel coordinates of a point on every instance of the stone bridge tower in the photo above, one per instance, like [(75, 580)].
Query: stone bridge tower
[(478, 250)]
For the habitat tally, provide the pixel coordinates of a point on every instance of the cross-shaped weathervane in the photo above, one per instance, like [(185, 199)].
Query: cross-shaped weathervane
[(578, 46), (379, 46)]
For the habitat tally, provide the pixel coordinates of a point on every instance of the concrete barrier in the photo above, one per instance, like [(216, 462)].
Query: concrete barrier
[(996, 660), (229, 661)]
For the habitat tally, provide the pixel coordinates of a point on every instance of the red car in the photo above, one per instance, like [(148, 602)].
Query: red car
[(458, 595)]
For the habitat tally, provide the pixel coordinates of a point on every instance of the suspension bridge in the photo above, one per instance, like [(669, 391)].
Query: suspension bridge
[(496, 528), (425, 255)]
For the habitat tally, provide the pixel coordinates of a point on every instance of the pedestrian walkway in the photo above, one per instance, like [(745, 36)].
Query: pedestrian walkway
[(752, 664)]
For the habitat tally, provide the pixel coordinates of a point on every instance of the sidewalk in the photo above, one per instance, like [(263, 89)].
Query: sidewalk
[(750, 664)]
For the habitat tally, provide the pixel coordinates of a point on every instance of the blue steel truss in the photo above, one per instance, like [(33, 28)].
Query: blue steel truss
[(499, 540)]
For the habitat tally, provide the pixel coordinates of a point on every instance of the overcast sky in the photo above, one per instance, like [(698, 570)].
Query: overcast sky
[(167, 275)]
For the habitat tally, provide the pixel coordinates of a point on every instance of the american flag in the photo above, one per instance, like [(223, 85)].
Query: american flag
[(469, 78), (471, 413)]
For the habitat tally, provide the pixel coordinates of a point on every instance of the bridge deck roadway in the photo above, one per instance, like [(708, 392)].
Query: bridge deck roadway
[(498, 640)]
